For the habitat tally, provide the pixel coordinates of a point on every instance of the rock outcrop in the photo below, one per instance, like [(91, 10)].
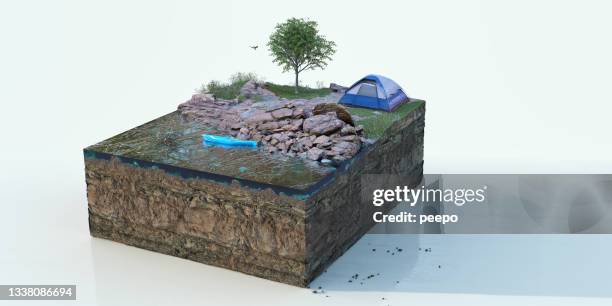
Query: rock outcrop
[(252, 88), (207, 109)]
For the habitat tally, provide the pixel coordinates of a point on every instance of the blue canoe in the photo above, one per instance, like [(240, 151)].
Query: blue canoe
[(228, 141)]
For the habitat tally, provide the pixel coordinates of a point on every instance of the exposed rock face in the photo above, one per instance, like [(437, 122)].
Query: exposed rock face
[(255, 232)]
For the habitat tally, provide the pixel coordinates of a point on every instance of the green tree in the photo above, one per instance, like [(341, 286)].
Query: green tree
[(296, 45)]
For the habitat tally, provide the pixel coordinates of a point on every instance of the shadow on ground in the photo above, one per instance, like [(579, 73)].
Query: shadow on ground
[(540, 265)]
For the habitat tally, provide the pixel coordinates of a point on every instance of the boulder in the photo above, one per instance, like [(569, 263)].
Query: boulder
[(346, 148), (348, 130), (322, 124), (298, 113), (305, 141), (351, 138), (282, 113), (297, 124), (259, 117), (268, 126), (321, 139), (315, 153), (253, 88), (340, 111)]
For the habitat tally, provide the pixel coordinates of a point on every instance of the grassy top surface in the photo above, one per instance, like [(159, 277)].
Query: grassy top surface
[(375, 122), (231, 89), (288, 92)]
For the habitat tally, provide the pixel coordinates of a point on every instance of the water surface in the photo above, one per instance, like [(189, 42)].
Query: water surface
[(175, 141)]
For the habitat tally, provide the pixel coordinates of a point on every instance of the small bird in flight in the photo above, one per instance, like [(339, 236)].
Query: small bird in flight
[(254, 47)]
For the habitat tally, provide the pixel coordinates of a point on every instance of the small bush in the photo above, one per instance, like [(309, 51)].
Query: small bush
[(243, 77)]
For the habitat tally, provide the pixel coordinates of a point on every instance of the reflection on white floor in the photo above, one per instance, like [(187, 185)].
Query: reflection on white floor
[(429, 269), (541, 265)]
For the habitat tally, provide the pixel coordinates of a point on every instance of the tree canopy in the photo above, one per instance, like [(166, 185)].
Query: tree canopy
[(296, 45)]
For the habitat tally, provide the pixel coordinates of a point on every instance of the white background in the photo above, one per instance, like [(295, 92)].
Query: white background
[(512, 87)]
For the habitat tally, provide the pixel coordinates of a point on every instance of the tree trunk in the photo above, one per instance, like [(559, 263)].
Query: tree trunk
[(296, 81)]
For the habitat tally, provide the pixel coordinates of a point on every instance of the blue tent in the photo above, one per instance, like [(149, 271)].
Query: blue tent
[(376, 92)]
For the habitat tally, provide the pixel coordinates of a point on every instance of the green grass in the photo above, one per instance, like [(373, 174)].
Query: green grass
[(288, 92), (231, 89), (376, 122)]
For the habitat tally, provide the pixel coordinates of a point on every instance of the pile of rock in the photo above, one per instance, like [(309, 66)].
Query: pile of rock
[(314, 129), (325, 133)]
